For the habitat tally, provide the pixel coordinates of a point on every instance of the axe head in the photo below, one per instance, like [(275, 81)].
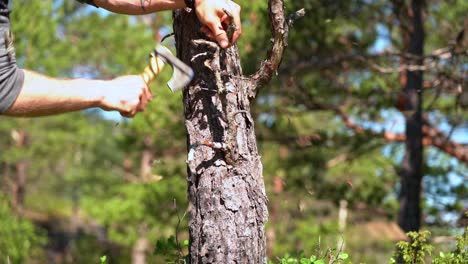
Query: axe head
[(182, 74)]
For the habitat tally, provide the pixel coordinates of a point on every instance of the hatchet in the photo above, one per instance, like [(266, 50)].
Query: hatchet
[(181, 74)]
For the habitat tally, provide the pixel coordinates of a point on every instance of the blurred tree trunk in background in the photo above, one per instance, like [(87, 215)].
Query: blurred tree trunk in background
[(18, 186), (147, 158), (411, 174), (140, 250), (225, 184)]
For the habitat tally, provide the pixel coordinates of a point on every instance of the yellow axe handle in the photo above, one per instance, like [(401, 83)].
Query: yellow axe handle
[(155, 66)]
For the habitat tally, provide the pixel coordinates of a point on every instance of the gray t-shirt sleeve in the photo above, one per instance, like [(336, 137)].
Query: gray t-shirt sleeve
[(11, 77)]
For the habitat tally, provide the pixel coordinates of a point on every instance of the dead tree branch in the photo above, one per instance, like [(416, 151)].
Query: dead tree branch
[(431, 61), (431, 137), (280, 25)]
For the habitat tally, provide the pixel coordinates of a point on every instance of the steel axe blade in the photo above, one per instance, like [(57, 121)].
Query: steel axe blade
[(182, 74)]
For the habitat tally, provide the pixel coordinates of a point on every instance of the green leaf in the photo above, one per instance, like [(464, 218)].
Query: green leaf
[(343, 256)]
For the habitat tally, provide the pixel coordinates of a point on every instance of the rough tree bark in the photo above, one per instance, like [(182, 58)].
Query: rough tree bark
[(226, 192), (409, 217)]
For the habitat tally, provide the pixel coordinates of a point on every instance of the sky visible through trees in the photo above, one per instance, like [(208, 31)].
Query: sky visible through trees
[(329, 128)]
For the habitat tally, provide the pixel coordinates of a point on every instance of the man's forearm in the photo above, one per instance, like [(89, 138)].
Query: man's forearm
[(42, 95), (139, 7), (211, 13)]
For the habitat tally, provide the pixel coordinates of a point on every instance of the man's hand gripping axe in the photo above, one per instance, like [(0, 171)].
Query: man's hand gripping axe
[(181, 76)]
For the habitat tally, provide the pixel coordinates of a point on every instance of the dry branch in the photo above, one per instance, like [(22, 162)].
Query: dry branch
[(431, 61), (280, 25), (431, 137)]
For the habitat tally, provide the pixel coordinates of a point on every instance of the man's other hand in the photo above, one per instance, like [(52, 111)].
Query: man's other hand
[(212, 15), (127, 94)]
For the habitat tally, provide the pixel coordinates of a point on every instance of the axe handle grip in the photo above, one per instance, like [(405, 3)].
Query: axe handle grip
[(155, 66)]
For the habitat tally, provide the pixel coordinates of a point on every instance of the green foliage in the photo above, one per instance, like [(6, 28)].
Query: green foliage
[(76, 160), (415, 250), (330, 256), (418, 248), (172, 250), (83, 161), (19, 238), (459, 255)]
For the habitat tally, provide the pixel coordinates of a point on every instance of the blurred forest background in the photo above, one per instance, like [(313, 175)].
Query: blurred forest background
[(330, 128)]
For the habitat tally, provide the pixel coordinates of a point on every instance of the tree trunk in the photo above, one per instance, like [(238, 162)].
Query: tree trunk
[(140, 250), (147, 158), (409, 217), (18, 188), (226, 191)]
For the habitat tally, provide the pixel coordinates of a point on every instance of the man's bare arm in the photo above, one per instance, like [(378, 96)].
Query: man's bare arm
[(211, 14), (42, 95), (139, 7)]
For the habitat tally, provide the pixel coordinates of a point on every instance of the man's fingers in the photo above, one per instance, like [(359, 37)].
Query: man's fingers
[(222, 39), (136, 104), (147, 93), (142, 104), (129, 95), (127, 114), (207, 32), (218, 32), (232, 20), (222, 18), (145, 98)]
